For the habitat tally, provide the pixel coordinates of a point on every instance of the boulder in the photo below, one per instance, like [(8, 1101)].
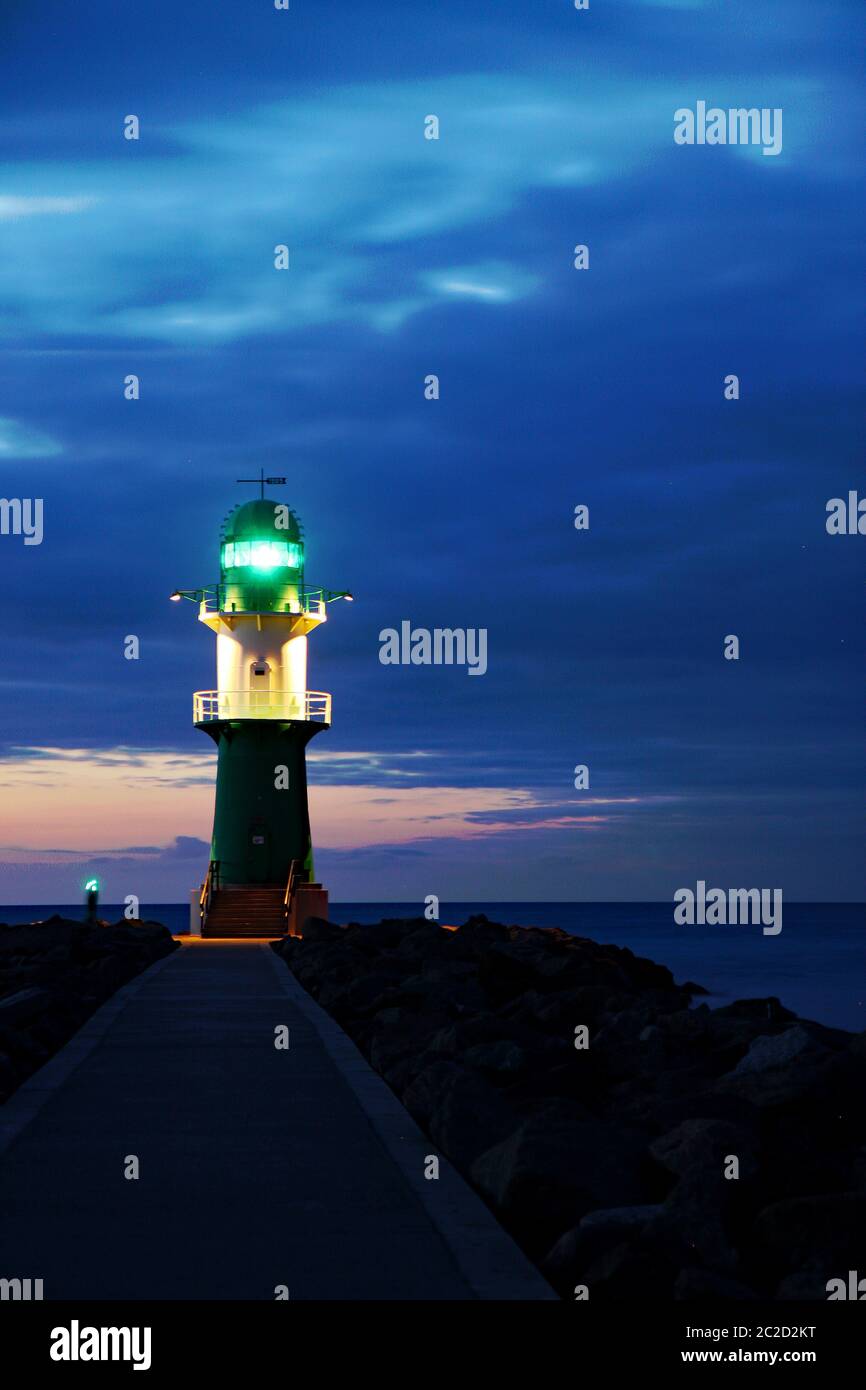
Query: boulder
[(696, 1283), (8, 1078), (791, 1067), (569, 1259), (826, 1232), (461, 1112), (699, 1148), (558, 1164), (762, 1011), (644, 1108), (317, 929), (779, 1050), (626, 1273), (22, 1006), (504, 1061), (393, 1050), (437, 990), (479, 933), (692, 1225), (562, 1011), (806, 1285)]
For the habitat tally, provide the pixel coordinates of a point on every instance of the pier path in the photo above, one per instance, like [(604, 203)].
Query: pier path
[(258, 1167)]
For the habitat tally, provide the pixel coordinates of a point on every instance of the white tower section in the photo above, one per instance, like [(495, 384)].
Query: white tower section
[(262, 662)]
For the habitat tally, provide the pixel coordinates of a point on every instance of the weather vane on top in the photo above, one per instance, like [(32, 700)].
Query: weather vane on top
[(261, 480)]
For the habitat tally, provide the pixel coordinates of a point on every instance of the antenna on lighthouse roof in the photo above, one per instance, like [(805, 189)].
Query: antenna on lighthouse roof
[(261, 480)]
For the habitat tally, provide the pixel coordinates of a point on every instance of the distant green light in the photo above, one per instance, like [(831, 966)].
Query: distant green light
[(92, 885)]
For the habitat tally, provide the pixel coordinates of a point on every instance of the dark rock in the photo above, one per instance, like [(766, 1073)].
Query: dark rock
[(439, 992), (827, 1233), (791, 1067), (386, 935), (562, 1011), (485, 1027), (645, 1109), (766, 1053), (318, 929), (692, 1225), (626, 1273), (396, 1051), (424, 1096), (767, 1010), (617, 1220), (508, 968), (578, 1077), (426, 940), (794, 1164), (480, 933), (554, 1168), (8, 1078), (699, 1147), (459, 1109), (504, 1060), (807, 1285), (22, 1006), (568, 1261), (388, 1017), (695, 1283), (54, 973)]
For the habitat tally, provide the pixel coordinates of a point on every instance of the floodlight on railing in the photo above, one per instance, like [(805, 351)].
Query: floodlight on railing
[(194, 595)]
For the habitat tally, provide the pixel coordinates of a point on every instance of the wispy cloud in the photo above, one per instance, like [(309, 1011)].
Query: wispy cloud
[(122, 800), (494, 282), (18, 441), (178, 245), (12, 207), (113, 798)]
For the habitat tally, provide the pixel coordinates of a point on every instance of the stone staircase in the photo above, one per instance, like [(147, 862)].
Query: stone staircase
[(247, 910)]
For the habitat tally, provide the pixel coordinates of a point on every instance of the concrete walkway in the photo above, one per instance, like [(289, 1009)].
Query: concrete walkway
[(258, 1167)]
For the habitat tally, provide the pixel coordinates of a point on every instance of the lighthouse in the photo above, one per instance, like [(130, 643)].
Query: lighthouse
[(260, 879)]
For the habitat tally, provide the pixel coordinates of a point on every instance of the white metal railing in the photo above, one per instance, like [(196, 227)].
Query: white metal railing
[(312, 705), (311, 602)]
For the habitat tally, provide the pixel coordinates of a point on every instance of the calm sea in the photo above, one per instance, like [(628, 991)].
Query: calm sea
[(816, 965)]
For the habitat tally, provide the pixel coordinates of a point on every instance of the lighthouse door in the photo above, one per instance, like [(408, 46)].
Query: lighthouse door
[(260, 689), (258, 851)]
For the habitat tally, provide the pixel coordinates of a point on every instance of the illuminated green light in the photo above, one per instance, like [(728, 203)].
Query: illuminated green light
[(92, 885), (261, 555), (267, 555)]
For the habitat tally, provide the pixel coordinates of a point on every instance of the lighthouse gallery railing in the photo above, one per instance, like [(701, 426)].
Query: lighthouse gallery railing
[(312, 602), (312, 705)]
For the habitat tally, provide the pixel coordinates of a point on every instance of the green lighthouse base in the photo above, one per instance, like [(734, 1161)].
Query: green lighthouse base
[(261, 817)]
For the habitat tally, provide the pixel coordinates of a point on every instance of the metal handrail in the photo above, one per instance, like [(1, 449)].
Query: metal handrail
[(308, 705), (294, 875), (208, 888), (310, 603)]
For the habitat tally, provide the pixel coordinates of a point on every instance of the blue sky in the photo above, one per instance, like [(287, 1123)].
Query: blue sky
[(558, 387)]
